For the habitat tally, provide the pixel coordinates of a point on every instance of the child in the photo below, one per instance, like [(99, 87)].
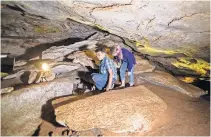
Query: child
[(108, 73), (128, 62)]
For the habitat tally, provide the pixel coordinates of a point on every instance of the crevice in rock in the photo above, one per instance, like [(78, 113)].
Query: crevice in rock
[(114, 6), (159, 65), (107, 7), (208, 31), (180, 18), (16, 8), (156, 39), (90, 36), (147, 27), (34, 16)]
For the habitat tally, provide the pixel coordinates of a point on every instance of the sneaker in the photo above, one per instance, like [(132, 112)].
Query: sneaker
[(129, 85), (93, 88), (112, 86)]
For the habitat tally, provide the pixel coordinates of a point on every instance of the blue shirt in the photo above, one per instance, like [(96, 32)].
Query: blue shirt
[(128, 57), (107, 64)]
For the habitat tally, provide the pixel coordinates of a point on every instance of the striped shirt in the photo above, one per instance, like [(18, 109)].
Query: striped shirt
[(107, 64)]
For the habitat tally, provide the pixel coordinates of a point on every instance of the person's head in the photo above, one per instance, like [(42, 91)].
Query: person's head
[(100, 52), (115, 50)]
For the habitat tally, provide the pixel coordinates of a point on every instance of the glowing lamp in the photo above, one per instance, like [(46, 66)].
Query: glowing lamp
[(45, 67)]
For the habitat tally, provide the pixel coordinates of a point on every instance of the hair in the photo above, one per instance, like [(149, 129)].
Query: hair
[(100, 49), (113, 49)]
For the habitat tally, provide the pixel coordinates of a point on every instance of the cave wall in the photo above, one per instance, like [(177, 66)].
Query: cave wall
[(178, 32)]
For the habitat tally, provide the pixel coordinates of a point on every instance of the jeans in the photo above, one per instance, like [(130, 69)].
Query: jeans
[(100, 80), (123, 69)]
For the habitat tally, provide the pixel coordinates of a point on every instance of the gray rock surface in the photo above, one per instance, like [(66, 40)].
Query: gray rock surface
[(58, 53), (184, 26), (154, 28), (23, 108)]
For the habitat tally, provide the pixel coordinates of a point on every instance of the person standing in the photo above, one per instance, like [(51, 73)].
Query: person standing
[(127, 60)]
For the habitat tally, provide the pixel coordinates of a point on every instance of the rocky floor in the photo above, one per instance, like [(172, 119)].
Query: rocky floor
[(184, 117)]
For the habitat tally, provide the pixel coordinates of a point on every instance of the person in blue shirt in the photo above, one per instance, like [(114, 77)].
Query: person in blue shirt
[(107, 71), (127, 60)]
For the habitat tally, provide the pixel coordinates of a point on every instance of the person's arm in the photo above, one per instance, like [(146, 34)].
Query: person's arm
[(130, 63), (110, 78), (129, 59)]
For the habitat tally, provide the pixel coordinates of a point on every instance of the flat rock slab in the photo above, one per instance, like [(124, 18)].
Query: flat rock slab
[(126, 110), (167, 80)]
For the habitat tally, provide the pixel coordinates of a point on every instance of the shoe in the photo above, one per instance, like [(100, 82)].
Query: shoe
[(93, 88), (129, 85), (112, 86), (120, 87)]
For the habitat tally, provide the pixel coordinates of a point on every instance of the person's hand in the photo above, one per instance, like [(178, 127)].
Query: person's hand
[(107, 88), (129, 73)]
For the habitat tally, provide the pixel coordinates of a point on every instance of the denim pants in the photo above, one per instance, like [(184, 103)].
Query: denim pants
[(123, 69), (100, 80)]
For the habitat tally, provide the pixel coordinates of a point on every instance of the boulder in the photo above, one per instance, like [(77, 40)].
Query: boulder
[(58, 53), (127, 110), (23, 108), (165, 79), (81, 57)]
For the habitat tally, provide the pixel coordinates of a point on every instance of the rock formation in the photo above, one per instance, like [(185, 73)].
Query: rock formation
[(167, 80), (182, 33), (118, 111), (23, 108), (173, 37)]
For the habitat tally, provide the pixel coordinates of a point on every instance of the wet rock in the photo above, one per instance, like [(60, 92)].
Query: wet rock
[(130, 109), (167, 80), (23, 107)]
